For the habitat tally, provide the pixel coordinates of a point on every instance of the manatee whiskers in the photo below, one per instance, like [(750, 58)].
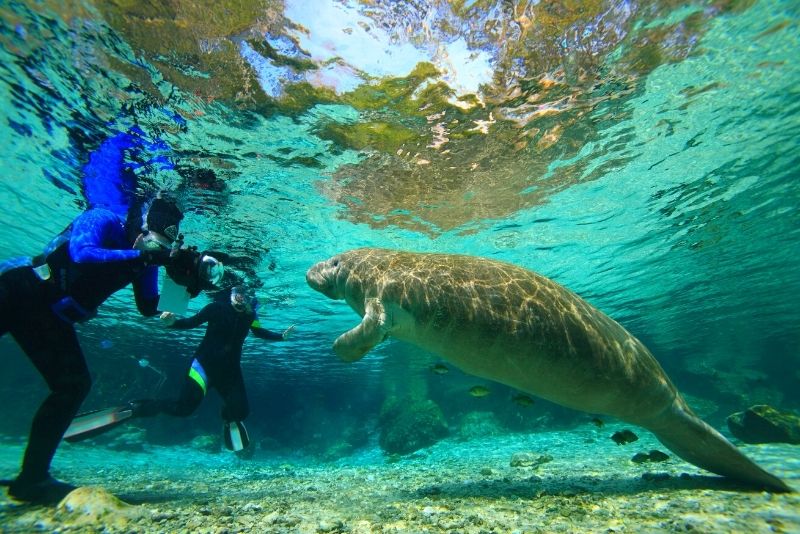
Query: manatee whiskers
[(511, 325)]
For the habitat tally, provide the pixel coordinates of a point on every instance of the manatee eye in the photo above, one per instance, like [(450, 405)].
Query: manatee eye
[(335, 263)]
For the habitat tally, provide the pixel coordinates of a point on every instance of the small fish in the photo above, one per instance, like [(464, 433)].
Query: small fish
[(440, 369), (597, 422), (658, 456), (522, 400), (479, 391), (624, 436), (652, 456)]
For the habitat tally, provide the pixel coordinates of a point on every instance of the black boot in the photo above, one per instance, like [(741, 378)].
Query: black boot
[(46, 490)]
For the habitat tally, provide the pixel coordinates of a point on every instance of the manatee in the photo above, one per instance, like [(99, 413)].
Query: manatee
[(504, 323)]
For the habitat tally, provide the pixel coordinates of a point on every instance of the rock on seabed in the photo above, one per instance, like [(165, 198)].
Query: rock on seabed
[(90, 505)]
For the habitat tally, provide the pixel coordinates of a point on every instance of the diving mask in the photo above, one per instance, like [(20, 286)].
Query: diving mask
[(240, 300), (194, 270), (211, 269)]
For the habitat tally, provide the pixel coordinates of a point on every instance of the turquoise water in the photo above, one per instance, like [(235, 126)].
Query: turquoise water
[(643, 156)]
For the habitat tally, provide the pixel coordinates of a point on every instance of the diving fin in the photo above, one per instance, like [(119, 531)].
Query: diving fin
[(235, 435), (90, 424)]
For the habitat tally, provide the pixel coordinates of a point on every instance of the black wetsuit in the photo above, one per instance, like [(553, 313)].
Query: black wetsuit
[(41, 298), (219, 356)]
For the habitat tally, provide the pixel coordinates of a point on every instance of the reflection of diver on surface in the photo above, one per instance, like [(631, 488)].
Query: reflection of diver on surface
[(201, 178), (216, 364)]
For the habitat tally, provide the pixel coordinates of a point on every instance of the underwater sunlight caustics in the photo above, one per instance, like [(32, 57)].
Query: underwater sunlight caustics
[(483, 177), (508, 324)]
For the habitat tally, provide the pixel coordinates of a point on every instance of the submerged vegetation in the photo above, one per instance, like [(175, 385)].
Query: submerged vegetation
[(452, 139)]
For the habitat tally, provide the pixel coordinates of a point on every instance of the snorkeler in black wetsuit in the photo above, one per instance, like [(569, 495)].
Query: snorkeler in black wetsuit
[(216, 364), (42, 297)]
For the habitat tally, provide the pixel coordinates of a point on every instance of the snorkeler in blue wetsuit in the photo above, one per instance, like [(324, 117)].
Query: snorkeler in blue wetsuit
[(42, 297), (100, 252), (216, 364)]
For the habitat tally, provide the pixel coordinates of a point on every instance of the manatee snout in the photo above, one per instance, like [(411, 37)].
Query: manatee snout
[(321, 277), (314, 276)]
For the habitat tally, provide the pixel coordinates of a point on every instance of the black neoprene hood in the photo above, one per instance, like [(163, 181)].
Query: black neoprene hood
[(164, 217)]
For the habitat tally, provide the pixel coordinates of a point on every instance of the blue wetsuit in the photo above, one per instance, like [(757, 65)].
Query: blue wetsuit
[(41, 297), (216, 364)]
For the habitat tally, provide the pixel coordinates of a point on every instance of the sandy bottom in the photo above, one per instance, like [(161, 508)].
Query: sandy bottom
[(590, 485)]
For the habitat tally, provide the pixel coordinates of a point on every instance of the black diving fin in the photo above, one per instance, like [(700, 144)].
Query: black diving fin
[(90, 424), (235, 436)]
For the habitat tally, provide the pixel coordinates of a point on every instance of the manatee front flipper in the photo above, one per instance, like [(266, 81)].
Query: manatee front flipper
[(696, 442), (354, 344)]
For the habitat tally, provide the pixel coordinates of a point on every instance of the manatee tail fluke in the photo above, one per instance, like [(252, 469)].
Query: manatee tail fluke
[(692, 439)]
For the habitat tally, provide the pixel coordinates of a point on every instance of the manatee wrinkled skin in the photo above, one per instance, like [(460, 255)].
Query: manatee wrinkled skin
[(505, 323)]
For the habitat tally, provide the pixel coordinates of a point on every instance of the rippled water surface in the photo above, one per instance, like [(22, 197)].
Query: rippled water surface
[(643, 154)]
